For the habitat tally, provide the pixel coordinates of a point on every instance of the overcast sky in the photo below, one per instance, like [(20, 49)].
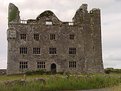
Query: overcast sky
[(65, 10)]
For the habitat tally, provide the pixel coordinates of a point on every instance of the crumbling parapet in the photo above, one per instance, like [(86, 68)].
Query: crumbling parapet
[(81, 15), (13, 13), (84, 6)]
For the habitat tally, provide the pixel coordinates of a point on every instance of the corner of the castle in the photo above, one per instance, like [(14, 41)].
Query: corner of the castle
[(13, 13)]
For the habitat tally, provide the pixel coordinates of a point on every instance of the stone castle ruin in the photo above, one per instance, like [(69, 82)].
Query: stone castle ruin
[(46, 43)]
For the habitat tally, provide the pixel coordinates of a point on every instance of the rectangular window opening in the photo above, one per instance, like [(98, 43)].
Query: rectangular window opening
[(72, 64), (23, 36), (52, 36), (52, 50), (41, 65), (48, 22), (23, 50), (36, 50), (71, 36), (70, 23), (23, 65), (72, 50), (36, 37)]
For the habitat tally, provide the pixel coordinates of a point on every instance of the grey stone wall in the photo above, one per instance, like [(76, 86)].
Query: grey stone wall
[(87, 41)]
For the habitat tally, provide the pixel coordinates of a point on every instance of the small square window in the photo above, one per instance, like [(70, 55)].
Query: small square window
[(48, 23), (52, 50), (23, 36), (72, 50), (72, 36), (52, 36), (36, 37)]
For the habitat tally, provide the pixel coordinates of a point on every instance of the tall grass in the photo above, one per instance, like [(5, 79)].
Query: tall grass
[(60, 82)]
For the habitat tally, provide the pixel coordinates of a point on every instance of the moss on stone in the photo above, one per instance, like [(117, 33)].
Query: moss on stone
[(12, 14)]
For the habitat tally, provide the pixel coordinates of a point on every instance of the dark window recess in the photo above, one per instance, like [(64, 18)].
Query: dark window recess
[(52, 36), (36, 37), (72, 64), (52, 50), (36, 50), (72, 50), (23, 50), (23, 36), (23, 65), (41, 65), (72, 36)]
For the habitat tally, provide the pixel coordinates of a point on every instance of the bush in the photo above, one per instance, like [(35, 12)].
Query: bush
[(112, 70), (40, 72)]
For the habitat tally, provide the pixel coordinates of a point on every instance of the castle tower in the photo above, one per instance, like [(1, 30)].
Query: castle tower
[(13, 18), (95, 22), (91, 31)]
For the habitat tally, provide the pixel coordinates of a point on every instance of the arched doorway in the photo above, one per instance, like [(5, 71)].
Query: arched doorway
[(53, 68)]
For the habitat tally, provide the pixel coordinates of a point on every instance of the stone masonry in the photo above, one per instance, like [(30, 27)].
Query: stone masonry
[(46, 43)]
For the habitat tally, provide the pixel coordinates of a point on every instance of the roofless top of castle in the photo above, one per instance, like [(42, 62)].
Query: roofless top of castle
[(13, 15), (48, 15)]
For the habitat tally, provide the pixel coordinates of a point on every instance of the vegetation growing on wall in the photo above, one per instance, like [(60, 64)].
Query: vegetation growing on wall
[(12, 14)]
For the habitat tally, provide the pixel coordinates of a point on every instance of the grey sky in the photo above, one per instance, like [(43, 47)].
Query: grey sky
[(65, 10)]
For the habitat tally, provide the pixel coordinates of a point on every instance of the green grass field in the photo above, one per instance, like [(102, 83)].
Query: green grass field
[(58, 82)]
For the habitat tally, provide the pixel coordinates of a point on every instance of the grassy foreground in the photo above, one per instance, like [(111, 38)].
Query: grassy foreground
[(57, 82)]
